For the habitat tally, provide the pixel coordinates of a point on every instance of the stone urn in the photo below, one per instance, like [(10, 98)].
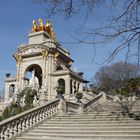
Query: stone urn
[(79, 96), (60, 92)]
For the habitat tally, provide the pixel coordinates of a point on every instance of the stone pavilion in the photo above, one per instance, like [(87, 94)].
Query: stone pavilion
[(48, 62)]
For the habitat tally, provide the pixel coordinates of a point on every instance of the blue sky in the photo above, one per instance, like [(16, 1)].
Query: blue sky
[(16, 22)]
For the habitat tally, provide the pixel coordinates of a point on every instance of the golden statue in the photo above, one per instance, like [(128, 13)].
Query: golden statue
[(41, 27), (56, 57), (48, 27), (18, 59), (35, 27), (44, 53)]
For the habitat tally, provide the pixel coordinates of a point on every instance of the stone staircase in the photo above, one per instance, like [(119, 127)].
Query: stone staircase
[(98, 124)]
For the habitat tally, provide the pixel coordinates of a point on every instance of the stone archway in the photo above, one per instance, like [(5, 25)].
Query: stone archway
[(11, 90), (61, 82), (38, 72)]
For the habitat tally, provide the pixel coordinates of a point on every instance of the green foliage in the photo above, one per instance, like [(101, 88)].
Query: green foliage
[(11, 110), (0, 118), (30, 96), (131, 87), (30, 93), (15, 108), (6, 113)]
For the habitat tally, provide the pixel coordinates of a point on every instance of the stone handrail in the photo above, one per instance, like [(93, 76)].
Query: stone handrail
[(92, 102), (15, 125), (110, 98), (72, 107)]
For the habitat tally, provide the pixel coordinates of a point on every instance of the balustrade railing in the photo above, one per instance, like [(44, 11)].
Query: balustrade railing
[(72, 107), (110, 98), (92, 102), (15, 125)]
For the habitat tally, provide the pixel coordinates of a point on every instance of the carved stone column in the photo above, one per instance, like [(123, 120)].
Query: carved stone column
[(67, 86), (19, 61), (81, 87), (50, 57), (6, 92)]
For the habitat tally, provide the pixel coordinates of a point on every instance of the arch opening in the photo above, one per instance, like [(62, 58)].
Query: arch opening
[(61, 83), (11, 90), (36, 69)]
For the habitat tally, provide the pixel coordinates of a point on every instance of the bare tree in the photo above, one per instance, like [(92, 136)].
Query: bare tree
[(121, 27), (116, 75)]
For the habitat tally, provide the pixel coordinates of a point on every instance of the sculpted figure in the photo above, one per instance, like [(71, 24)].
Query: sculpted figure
[(22, 101), (44, 88), (35, 101), (33, 82), (41, 27), (35, 27), (26, 83), (49, 29)]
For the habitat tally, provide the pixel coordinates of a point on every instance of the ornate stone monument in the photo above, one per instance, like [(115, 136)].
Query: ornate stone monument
[(48, 62)]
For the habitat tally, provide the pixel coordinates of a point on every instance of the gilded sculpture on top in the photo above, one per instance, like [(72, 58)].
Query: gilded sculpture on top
[(41, 27)]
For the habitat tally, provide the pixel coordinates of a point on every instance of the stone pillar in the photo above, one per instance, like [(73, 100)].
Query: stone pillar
[(81, 108), (73, 87), (50, 63), (42, 98), (45, 71), (67, 86), (43, 94), (81, 87), (104, 98), (6, 92), (20, 74)]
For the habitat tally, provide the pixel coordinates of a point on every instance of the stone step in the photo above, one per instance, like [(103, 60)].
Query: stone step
[(127, 127), (83, 115), (92, 124), (86, 134), (91, 116), (116, 131), (86, 126), (100, 137), (94, 119), (88, 115)]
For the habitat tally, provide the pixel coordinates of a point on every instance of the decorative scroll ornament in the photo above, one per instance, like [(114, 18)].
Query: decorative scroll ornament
[(56, 57), (45, 54), (70, 62), (48, 27), (19, 59)]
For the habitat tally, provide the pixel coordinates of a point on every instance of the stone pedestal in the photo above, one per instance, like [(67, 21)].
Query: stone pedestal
[(62, 107), (81, 108), (42, 98)]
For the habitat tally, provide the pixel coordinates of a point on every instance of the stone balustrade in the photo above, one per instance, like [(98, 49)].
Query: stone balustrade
[(110, 98), (72, 107), (79, 107), (15, 125), (93, 102)]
